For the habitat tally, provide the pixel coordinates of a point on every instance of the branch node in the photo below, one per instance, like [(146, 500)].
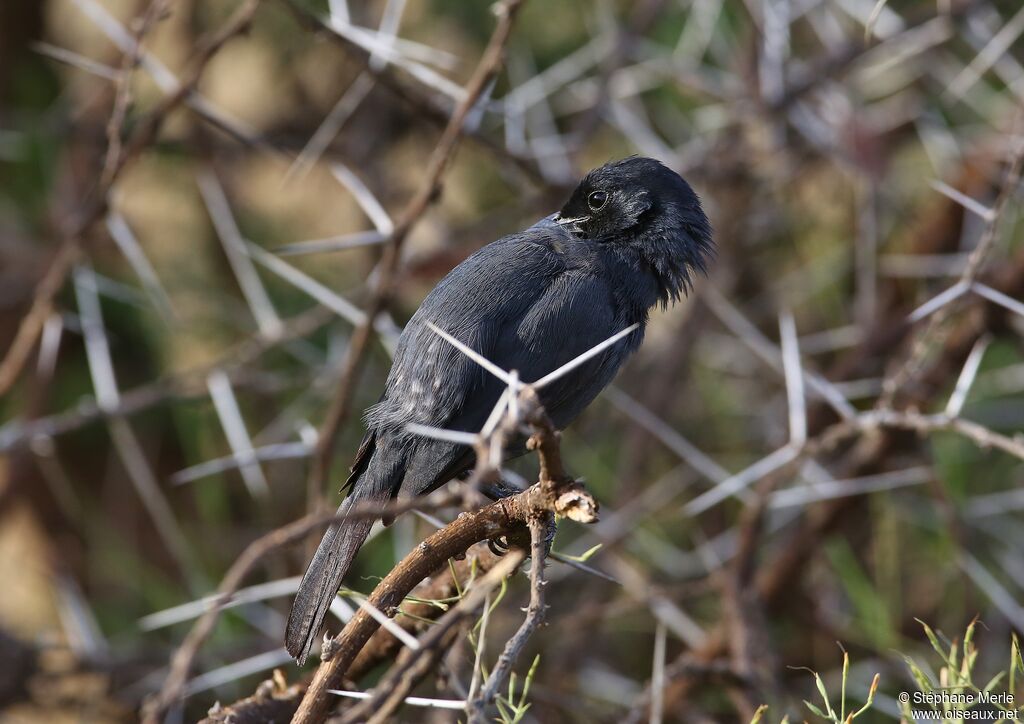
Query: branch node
[(329, 648), (576, 503)]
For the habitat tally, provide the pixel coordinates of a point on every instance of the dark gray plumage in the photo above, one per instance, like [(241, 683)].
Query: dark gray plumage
[(630, 237)]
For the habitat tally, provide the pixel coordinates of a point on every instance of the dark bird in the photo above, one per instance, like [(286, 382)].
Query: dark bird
[(630, 237)]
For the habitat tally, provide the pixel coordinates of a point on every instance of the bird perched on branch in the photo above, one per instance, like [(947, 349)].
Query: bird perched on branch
[(631, 237)]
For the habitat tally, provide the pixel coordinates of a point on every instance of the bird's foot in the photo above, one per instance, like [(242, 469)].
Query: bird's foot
[(498, 546)]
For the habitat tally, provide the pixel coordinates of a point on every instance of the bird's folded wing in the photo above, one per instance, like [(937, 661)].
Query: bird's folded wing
[(518, 303)]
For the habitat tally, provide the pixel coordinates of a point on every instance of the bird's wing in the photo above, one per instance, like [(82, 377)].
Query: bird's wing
[(520, 304), (362, 459)]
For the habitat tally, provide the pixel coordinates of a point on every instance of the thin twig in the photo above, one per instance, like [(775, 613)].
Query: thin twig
[(477, 708)]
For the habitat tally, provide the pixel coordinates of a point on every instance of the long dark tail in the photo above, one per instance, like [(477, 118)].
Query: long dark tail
[(323, 576)]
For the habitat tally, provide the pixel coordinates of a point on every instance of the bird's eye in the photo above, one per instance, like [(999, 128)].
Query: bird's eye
[(597, 200)]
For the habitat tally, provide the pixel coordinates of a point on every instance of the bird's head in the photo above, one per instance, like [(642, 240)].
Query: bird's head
[(643, 204)]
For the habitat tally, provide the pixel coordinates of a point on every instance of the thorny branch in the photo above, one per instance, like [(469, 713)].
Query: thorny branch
[(123, 88), (181, 663), (869, 431), (276, 699), (69, 250), (911, 366), (506, 518), (869, 441), (389, 693)]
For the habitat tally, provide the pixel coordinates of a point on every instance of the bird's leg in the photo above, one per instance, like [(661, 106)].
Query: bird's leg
[(551, 527)]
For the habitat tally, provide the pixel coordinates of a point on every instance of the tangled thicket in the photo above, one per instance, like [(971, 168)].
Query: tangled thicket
[(215, 217)]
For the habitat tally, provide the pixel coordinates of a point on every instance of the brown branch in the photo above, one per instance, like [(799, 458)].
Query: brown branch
[(980, 435), (275, 699), (389, 694), (433, 107), (185, 385), (362, 643), (340, 406), (181, 663), (505, 518), (123, 86), (444, 585), (42, 306)]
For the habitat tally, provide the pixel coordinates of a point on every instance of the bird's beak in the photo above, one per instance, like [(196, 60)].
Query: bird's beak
[(572, 223)]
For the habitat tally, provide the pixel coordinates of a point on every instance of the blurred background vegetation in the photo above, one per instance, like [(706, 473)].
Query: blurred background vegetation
[(836, 144)]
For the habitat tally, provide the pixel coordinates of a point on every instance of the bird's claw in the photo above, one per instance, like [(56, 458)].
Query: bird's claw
[(498, 546)]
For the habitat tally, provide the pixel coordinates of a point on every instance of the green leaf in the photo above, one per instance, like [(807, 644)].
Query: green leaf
[(756, 719), (934, 641), (923, 682), (824, 695), (816, 710)]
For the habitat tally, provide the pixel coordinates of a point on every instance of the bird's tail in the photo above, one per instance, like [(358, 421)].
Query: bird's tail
[(323, 576)]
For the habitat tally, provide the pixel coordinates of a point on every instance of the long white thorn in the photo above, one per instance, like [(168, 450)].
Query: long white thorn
[(972, 205), (794, 380), (410, 700), (997, 297), (364, 197), (439, 433), (231, 421), (472, 354), (967, 377), (577, 361), (742, 479), (938, 301)]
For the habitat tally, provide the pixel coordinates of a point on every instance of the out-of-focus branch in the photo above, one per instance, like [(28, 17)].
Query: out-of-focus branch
[(181, 663), (123, 86), (980, 435), (340, 405), (182, 386), (911, 366), (144, 134), (777, 576), (436, 109)]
